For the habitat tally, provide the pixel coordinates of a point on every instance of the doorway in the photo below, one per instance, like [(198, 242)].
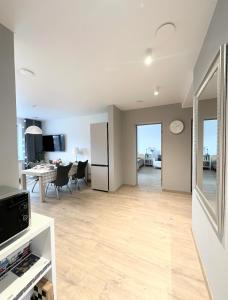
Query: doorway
[(149, 155)]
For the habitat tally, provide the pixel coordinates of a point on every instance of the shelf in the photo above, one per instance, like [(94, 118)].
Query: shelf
[(38, 224), (41, 237), (21, 286)]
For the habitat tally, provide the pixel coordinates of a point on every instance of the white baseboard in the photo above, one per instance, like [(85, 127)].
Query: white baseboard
[(203, 268)]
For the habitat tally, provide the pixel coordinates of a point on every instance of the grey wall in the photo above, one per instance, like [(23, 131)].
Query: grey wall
[(176, 149), (214, 254), (8, 133), (115, 147)]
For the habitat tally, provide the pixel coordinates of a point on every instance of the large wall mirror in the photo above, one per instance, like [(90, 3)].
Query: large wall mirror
[(210, 126)]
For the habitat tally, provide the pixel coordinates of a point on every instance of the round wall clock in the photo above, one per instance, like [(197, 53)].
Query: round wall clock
[(176, 127)]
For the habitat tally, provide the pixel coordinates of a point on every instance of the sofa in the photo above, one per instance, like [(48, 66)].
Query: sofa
[(157, 162)]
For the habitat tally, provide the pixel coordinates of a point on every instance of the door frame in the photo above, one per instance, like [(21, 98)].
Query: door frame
[(136, 150)]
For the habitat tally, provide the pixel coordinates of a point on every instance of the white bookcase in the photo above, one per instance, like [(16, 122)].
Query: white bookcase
[(42, 240)]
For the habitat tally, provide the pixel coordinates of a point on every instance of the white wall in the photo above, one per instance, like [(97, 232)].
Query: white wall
[(8, 132), (115, 148), (176, 149), (213, 253), (77, 134)]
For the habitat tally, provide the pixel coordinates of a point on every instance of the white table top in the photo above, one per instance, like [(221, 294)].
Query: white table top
[(42, 171), (38, 172)]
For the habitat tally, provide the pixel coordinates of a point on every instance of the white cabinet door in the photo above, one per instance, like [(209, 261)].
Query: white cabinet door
[(99, 143), (99, 178)]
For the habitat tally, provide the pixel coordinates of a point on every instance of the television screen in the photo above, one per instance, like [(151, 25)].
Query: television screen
[(53, 143)]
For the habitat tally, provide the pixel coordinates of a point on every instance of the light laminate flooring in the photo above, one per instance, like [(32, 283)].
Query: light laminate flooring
[(149, 177), (132, 244)]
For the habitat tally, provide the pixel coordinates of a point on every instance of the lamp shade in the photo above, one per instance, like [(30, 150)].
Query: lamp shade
[(33, 130)]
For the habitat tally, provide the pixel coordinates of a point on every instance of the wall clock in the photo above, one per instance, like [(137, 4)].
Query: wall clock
[(176, 127)]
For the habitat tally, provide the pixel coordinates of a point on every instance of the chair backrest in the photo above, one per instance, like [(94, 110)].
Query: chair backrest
[(81, 169), (62, 177)]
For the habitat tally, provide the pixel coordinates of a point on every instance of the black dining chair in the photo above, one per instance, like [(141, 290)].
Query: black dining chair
[(80, 174), (62, 179), (34, 179)]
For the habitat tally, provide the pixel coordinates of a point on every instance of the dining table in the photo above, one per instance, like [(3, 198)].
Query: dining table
[(45, 174)]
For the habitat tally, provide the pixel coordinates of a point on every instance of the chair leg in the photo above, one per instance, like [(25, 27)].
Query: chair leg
[(76, 183), (47, 188), (34, 186), (57, 192), (69, 189), (85, 181), (79, 185)]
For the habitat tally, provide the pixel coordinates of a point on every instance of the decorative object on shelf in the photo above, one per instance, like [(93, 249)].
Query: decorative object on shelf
[(19, 281), (13, 259), (176, 127), (24, 270), (43, 290), (20, 269), (33, 130)]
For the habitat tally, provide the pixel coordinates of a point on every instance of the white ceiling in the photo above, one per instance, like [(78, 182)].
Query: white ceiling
[(89, 54)]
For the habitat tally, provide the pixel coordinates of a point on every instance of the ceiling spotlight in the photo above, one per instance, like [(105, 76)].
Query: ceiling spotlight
[(156, 91), (148, 57), (26, 72)]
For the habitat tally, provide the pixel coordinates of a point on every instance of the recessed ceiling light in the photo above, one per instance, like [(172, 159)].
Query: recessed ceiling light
[(26, 72), (156, 91), (148, 57), (168, 26)]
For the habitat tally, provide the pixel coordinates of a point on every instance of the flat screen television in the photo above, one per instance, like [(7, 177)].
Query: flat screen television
[(53, 143)]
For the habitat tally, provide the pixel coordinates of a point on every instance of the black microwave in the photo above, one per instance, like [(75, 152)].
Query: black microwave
[(15, 213)]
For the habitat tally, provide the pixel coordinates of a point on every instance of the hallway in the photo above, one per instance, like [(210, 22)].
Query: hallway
[(132, 244), (149, 177)]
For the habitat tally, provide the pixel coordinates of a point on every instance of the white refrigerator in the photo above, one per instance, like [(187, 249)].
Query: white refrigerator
[(99, 157)]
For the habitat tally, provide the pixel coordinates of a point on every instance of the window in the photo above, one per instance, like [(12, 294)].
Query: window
[(20, 139)]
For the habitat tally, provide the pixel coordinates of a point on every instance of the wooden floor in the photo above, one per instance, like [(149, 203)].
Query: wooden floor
[(129, 245), (149, 177)]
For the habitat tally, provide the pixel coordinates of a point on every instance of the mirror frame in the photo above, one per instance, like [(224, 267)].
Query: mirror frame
[(219, 64)]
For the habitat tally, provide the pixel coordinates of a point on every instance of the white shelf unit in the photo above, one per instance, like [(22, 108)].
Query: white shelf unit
[(42, 240)]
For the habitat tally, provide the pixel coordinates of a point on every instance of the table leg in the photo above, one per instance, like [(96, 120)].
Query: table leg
[(23, 182), (86, 174), (41, 189)]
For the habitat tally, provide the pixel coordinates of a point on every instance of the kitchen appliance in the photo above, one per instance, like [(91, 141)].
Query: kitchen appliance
[(99, 157), (14, 212)]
